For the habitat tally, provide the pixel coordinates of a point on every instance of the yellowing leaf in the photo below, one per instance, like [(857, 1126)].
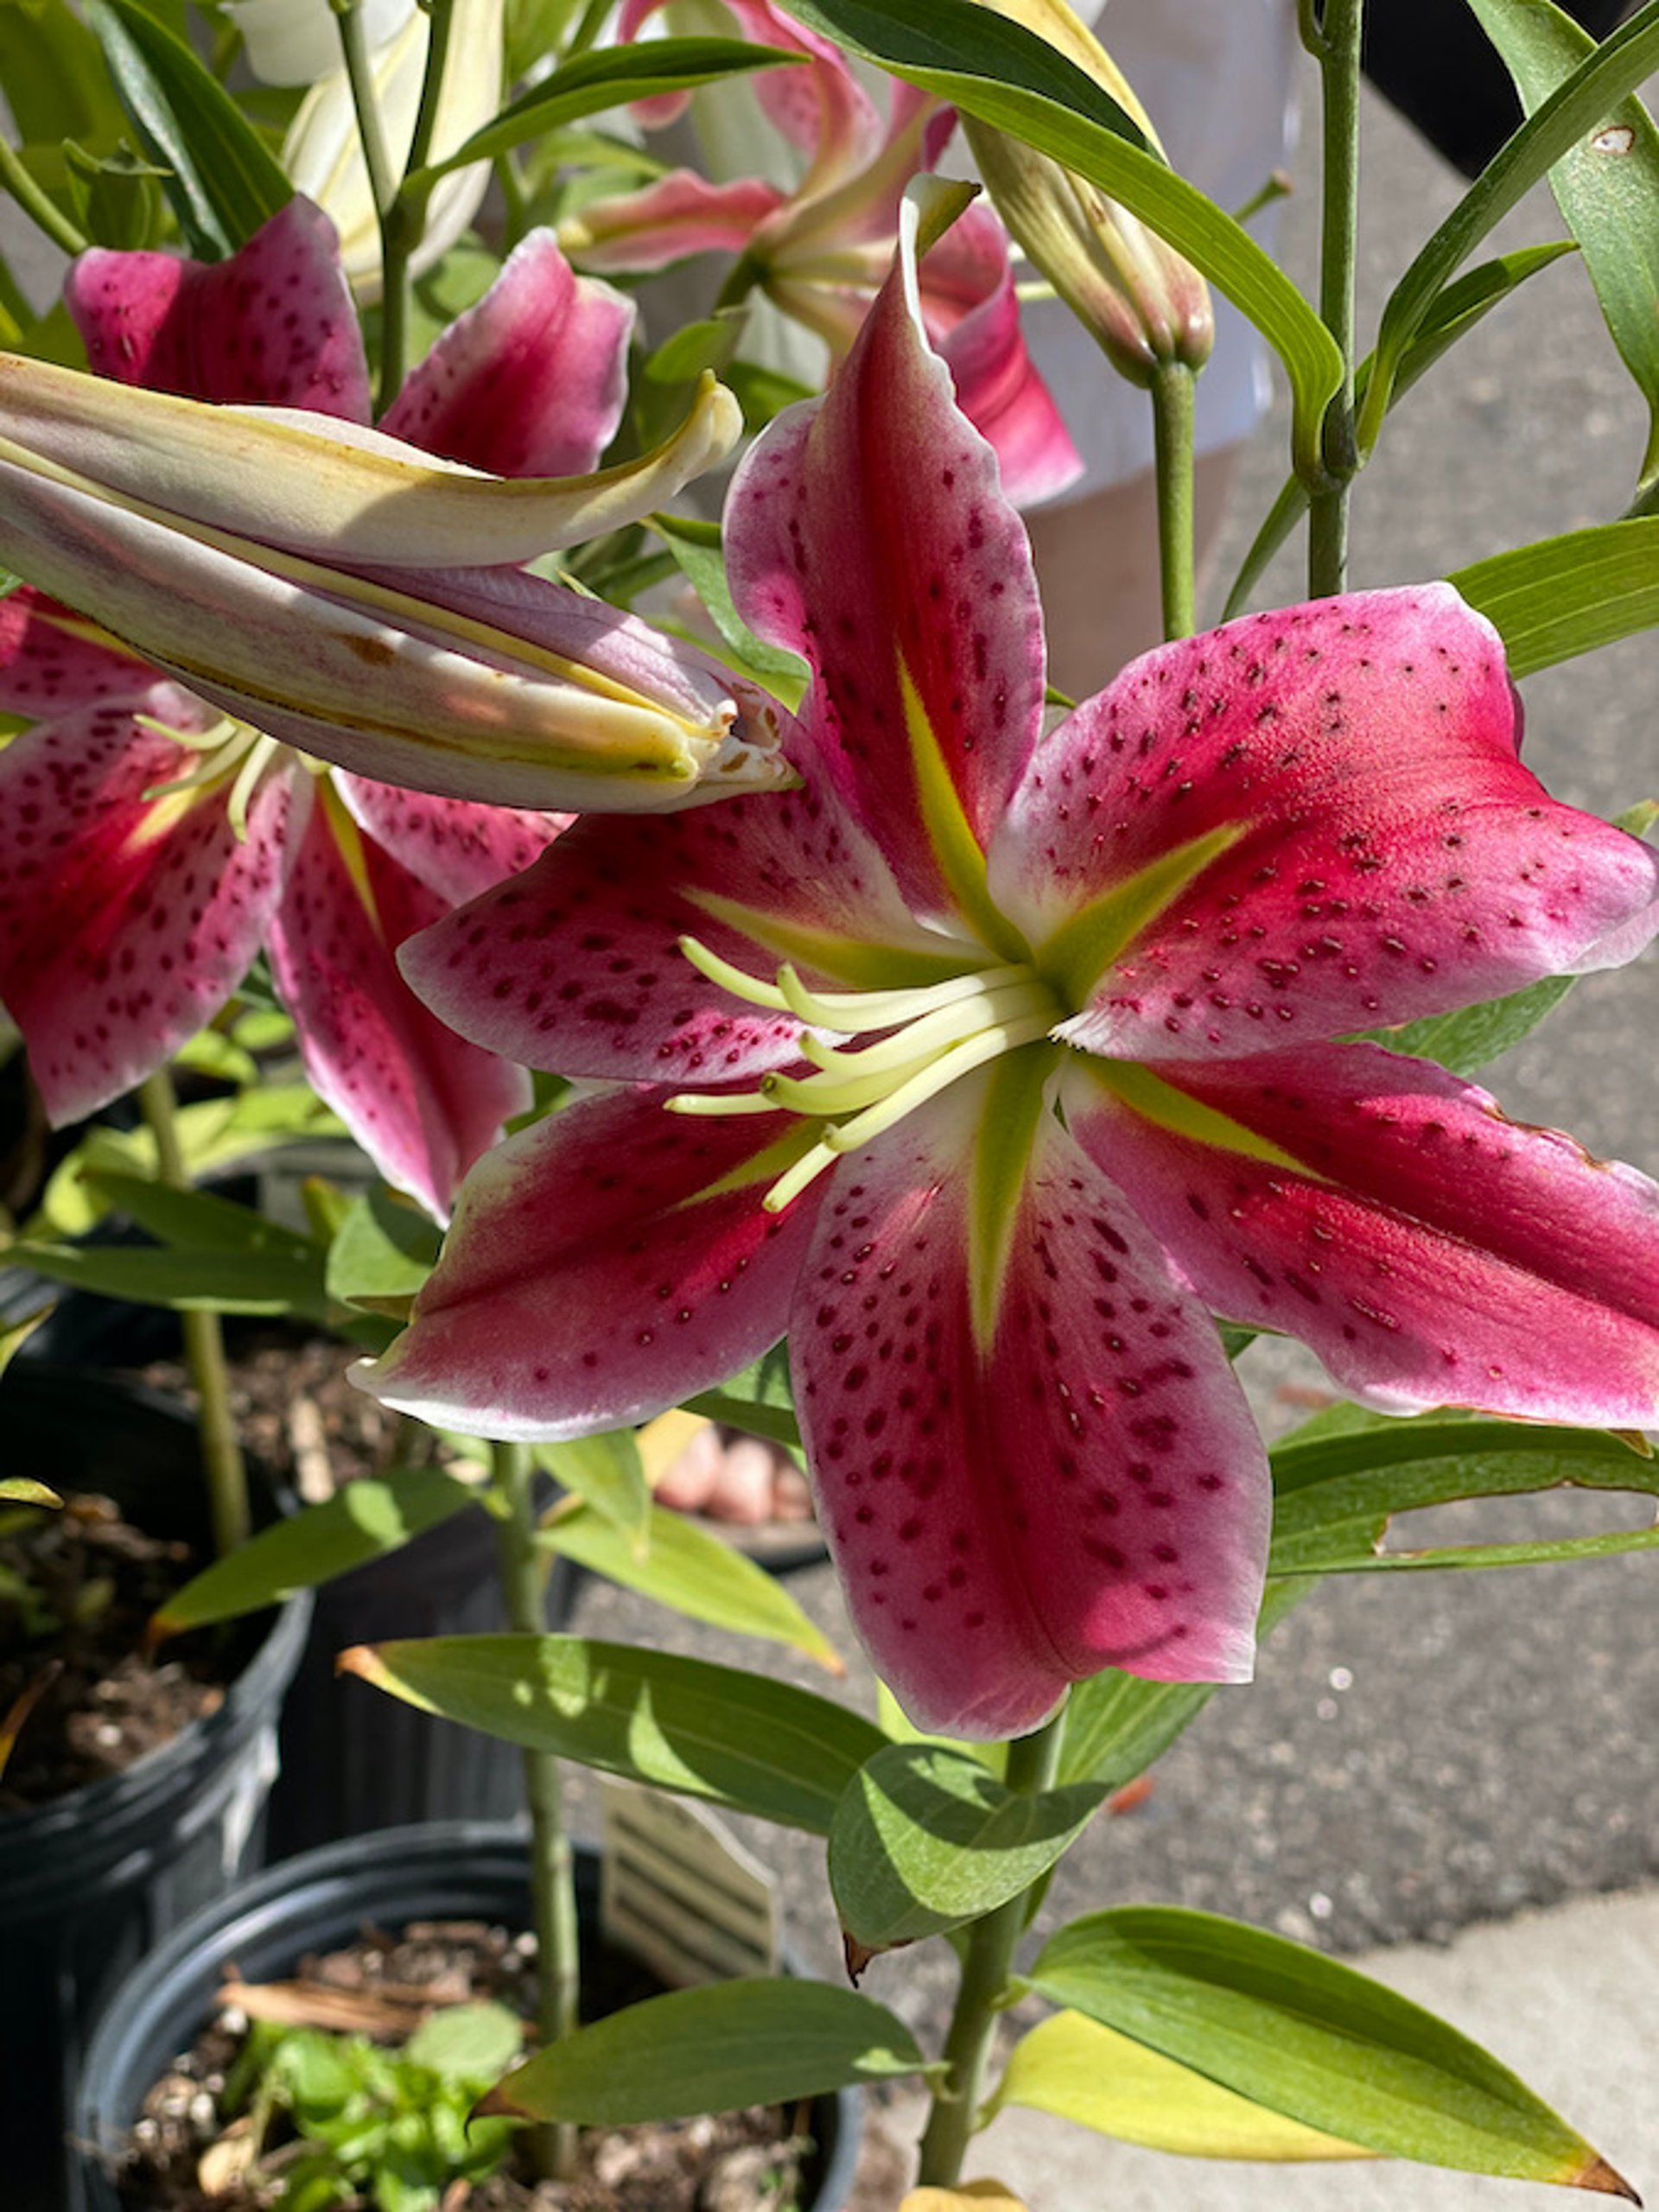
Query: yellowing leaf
[(984, 2195), (1080, 2071)]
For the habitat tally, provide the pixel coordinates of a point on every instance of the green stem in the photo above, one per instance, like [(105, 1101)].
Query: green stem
[(551, 1881), (384, 191), (204, 1345), (1173, 390), (745, 274), (403, 220), (1338, 54), (1032, 1763), (35, 204)]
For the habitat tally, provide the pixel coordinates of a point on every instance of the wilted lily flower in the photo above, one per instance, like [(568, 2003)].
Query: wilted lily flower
[(820, 250), (998, 1064), (150, 844), (323, 581)]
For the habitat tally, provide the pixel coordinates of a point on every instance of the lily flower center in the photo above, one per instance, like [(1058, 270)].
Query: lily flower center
[(231, 750), (927, 1037)]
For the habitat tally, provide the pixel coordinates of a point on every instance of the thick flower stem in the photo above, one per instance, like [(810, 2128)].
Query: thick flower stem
[(35, 204), (1174, 389), (551, 1881), (1338, 57), (204, 1345), (1032, 1762)]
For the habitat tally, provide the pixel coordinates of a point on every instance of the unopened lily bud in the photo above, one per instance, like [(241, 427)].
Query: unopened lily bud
[(347, 594), (1144, 302)]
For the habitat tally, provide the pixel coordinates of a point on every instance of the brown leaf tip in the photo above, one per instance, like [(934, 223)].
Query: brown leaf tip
[(1602, 2180), (495, 2104), (856, 1955), (358, 1659)]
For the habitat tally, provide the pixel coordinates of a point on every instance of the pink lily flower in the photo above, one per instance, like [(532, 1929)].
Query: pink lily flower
[(998, 1064), (149, 846), (820, 252)]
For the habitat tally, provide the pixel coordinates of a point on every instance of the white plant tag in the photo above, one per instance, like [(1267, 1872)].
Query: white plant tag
[(678, 1890)]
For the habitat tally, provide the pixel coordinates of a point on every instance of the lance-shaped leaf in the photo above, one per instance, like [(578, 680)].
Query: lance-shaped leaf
[(222, 177), (1606, 186), (1567, 595), (1312, 2039), (715, 1732), (926, 1839), (756, 2042), (689, 1570), (1337, 1485), (19, 1490), (368, 1519), (1073, 2068), (1578, 105)]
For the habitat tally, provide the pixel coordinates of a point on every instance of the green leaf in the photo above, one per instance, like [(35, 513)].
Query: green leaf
[(52, 77), (367, 1519), (1338, 1484), (1458, 308), (692, 1572), (1574, 108), (466, 2041), (606, 1471), (196, 1221), (710, 344), (1116, 1724), (1078, 2070), (697, 549), (609, 78), (1563, 596), (384, 1253), (194, 1282), (761, 1402), (18, 1489), (927, 1839), (758, 2042), (213, 1134), (1470, 1037), (222, 179), (733, 1739), (1606, 185), (1310, 2039), (995, 69)]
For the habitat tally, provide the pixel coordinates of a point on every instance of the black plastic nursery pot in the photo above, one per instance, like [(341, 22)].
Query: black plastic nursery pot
[(92, 1882), (451, 1870)]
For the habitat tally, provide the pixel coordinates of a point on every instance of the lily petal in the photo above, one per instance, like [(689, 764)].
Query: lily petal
[(973, 317), (331, 488), (530, 382), (1016, 1503), (454, 848), (51, 659), (603, 1266), (867, 532), (422, 1105), (1432, 1251), (273, 326), (577, 965), (1377, 851), (491, 684), (125, 922), (668, 220)]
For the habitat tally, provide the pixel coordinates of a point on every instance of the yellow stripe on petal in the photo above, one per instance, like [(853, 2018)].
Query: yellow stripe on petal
[(869, 966), (1166, 1108), (961, 863), (1085, 946), (1014, 1102)]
